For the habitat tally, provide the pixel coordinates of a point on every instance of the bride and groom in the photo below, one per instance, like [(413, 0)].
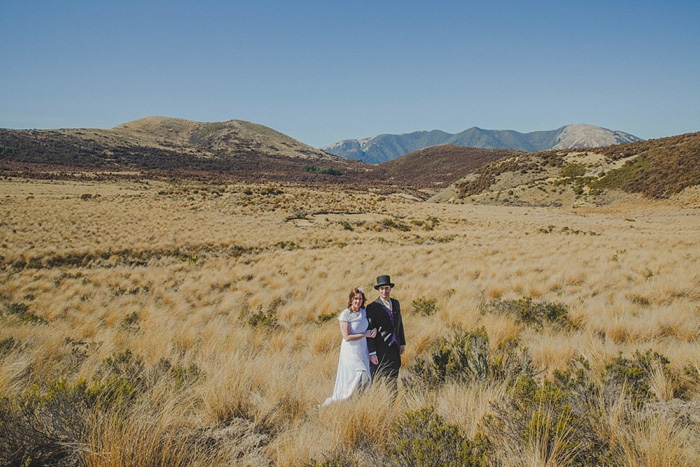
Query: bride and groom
[(373, 341)]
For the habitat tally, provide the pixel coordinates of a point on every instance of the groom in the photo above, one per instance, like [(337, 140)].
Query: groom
[(384, 314)]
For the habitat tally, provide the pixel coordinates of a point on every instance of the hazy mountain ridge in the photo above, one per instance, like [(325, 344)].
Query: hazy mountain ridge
[(384, 148)]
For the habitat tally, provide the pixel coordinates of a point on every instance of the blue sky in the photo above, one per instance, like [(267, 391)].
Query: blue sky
[(322, 71)]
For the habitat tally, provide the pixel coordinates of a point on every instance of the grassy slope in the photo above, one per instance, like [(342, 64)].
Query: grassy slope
[(654, 168), (191, 323)]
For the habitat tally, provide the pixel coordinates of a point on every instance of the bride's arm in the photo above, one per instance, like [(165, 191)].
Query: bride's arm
[(345, 331)]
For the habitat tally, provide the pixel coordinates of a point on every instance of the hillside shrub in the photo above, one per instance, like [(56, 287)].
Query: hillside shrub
[(461, 357), (618, 179), (44, 426), (531, 312), (48, 424), (510, 362), (260, 318), (120, 378), (634, 374), (550, 417), (21, 311), (428, 224), (465, 356), (425, 306), (390, 223), (423, 438), (131, 322), (321, 170), (326, 316), (7, 345), (573, 169)]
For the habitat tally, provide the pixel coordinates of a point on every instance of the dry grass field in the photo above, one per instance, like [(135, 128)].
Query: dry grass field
[(175, 323)]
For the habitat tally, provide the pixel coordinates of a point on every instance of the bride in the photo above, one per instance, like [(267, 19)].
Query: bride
[(353, 365)]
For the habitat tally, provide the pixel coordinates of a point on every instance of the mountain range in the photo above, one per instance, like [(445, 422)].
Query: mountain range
[(383, 148), (236, 151)]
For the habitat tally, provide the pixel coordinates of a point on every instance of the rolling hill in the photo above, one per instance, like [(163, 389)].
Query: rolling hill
[(384, 148), (224, 151), (232, 149), (436, 167), (238, 151), (655, 169)]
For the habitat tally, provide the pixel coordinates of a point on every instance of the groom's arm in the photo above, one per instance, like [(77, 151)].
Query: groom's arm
[(371, 346), (399, 332)]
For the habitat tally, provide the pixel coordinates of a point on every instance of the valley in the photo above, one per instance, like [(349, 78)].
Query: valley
[(195, 322)]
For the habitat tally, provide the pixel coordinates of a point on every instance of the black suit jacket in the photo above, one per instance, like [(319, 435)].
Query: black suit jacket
[(388, 354)]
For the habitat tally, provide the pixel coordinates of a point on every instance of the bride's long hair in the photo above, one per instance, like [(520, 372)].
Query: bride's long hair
[(357, 291)]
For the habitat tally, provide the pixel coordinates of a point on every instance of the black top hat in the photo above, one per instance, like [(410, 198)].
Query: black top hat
[(384, 280)]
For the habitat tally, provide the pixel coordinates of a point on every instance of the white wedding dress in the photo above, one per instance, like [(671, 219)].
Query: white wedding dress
[(353, 364)]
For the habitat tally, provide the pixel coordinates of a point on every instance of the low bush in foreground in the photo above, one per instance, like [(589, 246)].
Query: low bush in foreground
[(576, 418), (129, 413), (50, 424)]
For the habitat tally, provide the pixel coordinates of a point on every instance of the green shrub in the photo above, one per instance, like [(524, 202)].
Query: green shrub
[(181, 376), (573, 169), (21, 311), (260, 318), (465, 356), (389, 223), (429, 224), (288, 245), (7, 345), (423, 438), (47, 424), (634, 374), (461, 357), (321, 170), (131, 322), (270, 190), (44, 426), (619, 178), (510, 362), (425, 306), (325, 317), (530, 312), (559, 417), (443, 239), (191, 258), (120, 378)]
